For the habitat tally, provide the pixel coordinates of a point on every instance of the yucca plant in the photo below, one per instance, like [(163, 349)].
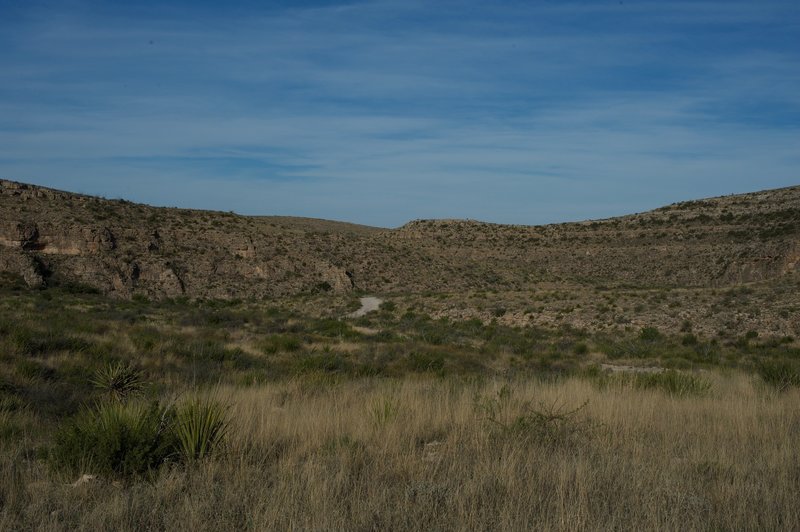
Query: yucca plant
[(201, 426), (120, 381), (116, 439)]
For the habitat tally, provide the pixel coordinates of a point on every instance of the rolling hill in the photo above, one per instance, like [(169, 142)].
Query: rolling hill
[(50, 237)]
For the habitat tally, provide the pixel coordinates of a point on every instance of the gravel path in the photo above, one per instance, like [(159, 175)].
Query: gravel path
[(368, 304)]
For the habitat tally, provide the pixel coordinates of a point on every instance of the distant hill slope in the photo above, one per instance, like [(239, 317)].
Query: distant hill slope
[(49, 237)]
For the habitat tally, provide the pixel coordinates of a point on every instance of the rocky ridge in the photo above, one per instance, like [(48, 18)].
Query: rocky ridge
[(50, 237)]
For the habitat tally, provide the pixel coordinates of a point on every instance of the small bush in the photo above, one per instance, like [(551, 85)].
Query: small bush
[(332, 329), (673, 382), (31, 342), (425, 361), (650, 335), (323, 286), (580, 348), (388, 306), (327, 361), (779, 374), (76, 287), (279, 343), (145, 338), (549, 425), (32, 369), (212, 352), (123, 440), (116, 440)]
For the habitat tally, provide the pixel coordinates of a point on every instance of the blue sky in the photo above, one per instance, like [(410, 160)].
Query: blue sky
[(379, 112)]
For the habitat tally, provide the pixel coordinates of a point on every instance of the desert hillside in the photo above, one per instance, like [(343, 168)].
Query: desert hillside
[(122, 248), (638, 373)]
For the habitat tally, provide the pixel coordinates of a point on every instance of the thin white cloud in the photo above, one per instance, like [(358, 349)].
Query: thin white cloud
[(519, 118)]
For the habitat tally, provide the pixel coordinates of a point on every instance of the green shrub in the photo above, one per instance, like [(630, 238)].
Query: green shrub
[(116, 440), (388, 306), (779, 374), (332, 328), (673, 382), (31, 342), (123, 440), (32, 369), (425, 361), (327, 361), (76, 287), (145, 338), (279, 343), (211, 351), (550, 425), (650, 335)]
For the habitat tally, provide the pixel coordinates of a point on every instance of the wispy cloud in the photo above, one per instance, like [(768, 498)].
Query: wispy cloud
[(378, 112)]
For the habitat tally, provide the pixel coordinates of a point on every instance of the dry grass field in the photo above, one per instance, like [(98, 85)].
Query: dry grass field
[(455, 454)]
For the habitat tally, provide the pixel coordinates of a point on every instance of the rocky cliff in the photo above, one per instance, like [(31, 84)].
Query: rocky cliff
[(50, 237)]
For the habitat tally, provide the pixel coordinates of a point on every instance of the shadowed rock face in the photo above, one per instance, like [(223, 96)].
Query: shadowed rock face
[(122, 248)]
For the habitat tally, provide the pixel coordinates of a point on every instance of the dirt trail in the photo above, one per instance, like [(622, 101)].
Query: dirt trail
[(368, 304)]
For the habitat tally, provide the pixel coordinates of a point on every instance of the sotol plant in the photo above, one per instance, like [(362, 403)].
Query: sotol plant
[(128, 439), (115, 439), (121, 438), (120, 381), (201, 426)]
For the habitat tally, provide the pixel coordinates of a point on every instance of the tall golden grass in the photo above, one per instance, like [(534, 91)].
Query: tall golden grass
[(429, 454)]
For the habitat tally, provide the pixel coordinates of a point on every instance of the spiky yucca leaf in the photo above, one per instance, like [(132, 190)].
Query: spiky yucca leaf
[(201, 426), (119, 380)]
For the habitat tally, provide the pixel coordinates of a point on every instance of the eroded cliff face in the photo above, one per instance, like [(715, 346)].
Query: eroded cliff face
[(49, 237)]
